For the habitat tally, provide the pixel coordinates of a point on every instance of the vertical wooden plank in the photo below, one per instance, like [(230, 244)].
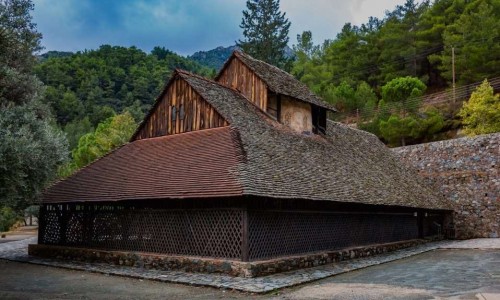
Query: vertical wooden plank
[(169, 124), (175, 104), (264, 96), (184, 105), (212, 117)]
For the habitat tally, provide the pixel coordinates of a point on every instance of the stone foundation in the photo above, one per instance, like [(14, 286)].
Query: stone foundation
[(467, 171), (205, 265)]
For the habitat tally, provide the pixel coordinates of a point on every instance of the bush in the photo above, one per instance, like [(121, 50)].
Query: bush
[(8, 217)]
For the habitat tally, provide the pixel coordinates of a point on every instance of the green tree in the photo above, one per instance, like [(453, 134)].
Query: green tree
[(399, 41), (481, 114), (30, 152), (31, 148), (399, 130), (404, 90), (265, 29), (76, 129), (475, 35), (101, 83), (110, 134)]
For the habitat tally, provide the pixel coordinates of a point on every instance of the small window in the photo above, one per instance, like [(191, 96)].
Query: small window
[(319, 120)]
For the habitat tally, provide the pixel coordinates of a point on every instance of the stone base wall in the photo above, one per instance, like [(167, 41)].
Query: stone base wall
[(205, 265), (467, 171)]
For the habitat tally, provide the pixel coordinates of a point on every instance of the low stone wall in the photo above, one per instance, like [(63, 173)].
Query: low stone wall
[(467, 171), (205, 265)]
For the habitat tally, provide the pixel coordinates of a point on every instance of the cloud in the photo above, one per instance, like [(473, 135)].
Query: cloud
[(184, 26), (325, 18)]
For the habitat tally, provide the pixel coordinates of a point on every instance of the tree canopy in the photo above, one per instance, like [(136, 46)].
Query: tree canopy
[(399, 58), (265, 31), (31, 146), (110, 134), (86, 88), (481, 114), (415, 39)]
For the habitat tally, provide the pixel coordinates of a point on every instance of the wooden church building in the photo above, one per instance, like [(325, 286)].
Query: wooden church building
[(245, 168)]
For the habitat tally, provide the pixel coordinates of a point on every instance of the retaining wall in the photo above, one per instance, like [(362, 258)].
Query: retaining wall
[(467, 171)]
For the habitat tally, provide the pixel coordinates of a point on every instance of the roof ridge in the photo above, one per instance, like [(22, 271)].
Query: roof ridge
[(184, 72), (169, 136), (247, 56)]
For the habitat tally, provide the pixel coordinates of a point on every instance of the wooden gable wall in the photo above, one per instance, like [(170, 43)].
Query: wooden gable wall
[(198, 114), (238, 76)]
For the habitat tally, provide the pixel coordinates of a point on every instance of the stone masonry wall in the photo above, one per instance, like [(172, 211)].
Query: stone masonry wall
[(467, 171), (209, 265)]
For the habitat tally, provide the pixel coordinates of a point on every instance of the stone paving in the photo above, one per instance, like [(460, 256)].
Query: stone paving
[(17, 251)]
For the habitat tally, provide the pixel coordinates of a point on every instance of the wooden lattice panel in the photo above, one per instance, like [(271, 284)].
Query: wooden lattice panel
[(275, 234), (209, 233)]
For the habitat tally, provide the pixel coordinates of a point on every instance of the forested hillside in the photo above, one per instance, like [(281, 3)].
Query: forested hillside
[(414, 42), (86, 88), (375, 74), (214, 58)]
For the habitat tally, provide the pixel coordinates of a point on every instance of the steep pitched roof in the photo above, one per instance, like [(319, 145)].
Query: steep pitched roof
[(194, 164), (254, 156), (345, 165), (278, 81)]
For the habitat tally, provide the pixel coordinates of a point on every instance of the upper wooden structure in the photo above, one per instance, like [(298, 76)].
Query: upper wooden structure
[(255, 131)]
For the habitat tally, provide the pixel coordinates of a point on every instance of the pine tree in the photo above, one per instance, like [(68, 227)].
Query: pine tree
[(475, 37), (265, 29)]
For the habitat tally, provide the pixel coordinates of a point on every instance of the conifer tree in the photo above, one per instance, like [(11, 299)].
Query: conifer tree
[(265, 29)]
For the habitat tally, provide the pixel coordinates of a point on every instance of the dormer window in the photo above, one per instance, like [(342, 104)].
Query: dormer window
[(296, 114), (319, 120)]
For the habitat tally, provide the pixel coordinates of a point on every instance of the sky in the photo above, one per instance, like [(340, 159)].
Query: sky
[(184, 26)]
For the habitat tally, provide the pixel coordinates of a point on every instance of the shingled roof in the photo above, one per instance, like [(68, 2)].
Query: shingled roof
[(278, 81), (253, 156), (190, 165), (345, 165)]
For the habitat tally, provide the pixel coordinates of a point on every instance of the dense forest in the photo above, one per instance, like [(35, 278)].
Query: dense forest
[(408, 53), (86, 88), (415, 40), (214, 58)]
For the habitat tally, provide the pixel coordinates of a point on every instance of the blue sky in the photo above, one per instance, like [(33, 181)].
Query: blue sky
[(184, 26)]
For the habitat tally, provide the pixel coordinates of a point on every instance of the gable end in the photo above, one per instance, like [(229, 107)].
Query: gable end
[(179, 109)]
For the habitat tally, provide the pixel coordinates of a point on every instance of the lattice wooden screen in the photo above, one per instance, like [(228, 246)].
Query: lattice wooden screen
[(217, 232), (274, 234), (210, 233)]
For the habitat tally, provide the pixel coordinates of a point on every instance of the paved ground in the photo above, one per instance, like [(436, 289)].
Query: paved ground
[(20, 234), (28, 281), (467, 273), (460, 274)]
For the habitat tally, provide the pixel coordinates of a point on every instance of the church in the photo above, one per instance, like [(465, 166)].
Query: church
[(244, 168)]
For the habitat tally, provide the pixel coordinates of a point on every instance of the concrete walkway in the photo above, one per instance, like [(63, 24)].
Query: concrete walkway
[(17, 251), (444, 273)]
